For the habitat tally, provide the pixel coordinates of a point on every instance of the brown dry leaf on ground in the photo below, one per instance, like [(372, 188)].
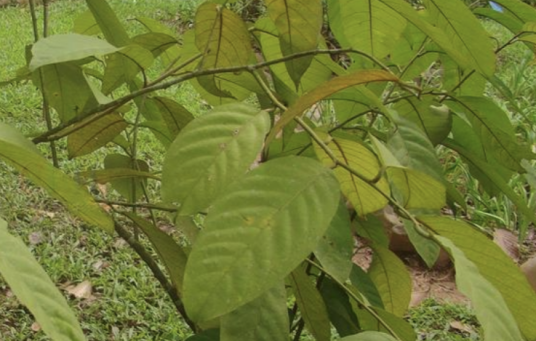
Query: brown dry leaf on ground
[(83, 290)]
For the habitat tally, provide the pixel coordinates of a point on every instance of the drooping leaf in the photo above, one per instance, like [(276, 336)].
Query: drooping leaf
[(31, 164), (494, 129), (175, 115), (495, 266), (103, 176), (392, 279), (379, 26), (371, 228), (169, 252), (493, 177), (369, 336), (312, 308), (299, 23), (33, 288), (131, 189), (465, 33), (60, 48), (362, 282), (257, 233), (171, 53), (490, 308), (95, 135), (366, 191), (86, 24), (339, 308), (66, 89), (210, 153), (325, 90), (109, 24), (335, 248), (155, 42), (518, 9), (263, 319)]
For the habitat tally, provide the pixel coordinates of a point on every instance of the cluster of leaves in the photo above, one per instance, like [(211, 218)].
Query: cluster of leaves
[(269, 196)]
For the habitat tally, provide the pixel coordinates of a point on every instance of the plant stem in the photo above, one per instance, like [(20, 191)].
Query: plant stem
[(158, 274)]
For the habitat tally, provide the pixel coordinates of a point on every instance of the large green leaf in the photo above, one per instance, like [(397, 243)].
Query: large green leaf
[(67, 47), (494, 129), (364, 191), (335, 248), (327, 89), (299, 23), (111, 27), (366, 287), (369, 336), (263, 319), (392, 279), (464, 31), (169, 252), (257, 233), (95, 135), (495, 266), (210, 153), (426, 248), (223, 38), (86, 24), (31, 164), (379, 26), (312, 308), (490, 308), (518, 9), (34, 289)]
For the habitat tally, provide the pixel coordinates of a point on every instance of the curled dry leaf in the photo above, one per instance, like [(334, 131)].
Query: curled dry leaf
[(83, 290)]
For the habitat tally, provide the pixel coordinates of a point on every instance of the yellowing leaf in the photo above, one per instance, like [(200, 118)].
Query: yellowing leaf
[(363, 195)]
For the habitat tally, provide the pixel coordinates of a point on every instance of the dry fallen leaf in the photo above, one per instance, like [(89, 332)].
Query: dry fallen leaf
[(83, 290), (508, 242), (36, 327), (457, 325)]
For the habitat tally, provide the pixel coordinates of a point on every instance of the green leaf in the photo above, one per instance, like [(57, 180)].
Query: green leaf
[(426, 248), (111, 27), (392, 279), (171, 53), (362, 282), (371, 228), (325, 90), (335, 248), (490, 308), (155, 42), (312, 308), (263, 319), (465, 33), (439, 37), (434, 120), (257, 233), (493, 177), (519, 10), (504, 19), (95, 135), (66, 89), (364, 191), (169, 252), (339, 308), (495, 266), (223, 38), (104, 176), (131, 189), (86, 24), (124, 65), (376, 319), (494, 129), (34, 289), (299, 23), (175, 115), (60, 48), (369, 336), (210, 153), (42, 173), (379, 26)]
